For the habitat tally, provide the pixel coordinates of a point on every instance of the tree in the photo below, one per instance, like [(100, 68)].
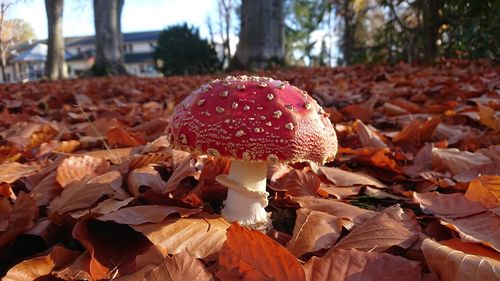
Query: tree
[(55, 66), (11, 32), (261, 43), (181, 51), (108, 38), (225, 11), (303, 18)]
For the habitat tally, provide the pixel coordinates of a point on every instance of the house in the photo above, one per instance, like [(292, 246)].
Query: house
[(27, 60)]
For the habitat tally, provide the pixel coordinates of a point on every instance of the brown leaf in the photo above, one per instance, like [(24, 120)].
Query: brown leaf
[(13, 171), (354, 265), (487, 116), (479, 228), (114, 248), (102, 208), (298, 183), (118, 136), (146, 214), (257, 258), (84, 194), (187, 168), (313, 231), (453, 205), (451, 264), (202, 235), (42, 265), (417, 131), (336, 208), (181, 266), (457, 161), (20, 218), (146, 176), (344, 178), (75, 168), (338, 192), (367, 136), (485, 190), (391, 227)]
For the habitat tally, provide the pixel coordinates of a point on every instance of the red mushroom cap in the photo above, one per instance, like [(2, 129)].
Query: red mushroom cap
[(253, 119)]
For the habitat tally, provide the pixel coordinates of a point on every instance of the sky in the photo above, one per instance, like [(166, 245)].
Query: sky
[(137, 15)]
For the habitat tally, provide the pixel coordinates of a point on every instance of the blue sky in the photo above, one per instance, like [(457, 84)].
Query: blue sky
[(137, 15)]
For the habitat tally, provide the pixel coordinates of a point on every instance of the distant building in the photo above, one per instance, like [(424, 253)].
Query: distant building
[(27, 60)]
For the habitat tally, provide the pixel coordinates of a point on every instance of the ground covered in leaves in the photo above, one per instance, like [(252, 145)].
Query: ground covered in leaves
[(90, 189)]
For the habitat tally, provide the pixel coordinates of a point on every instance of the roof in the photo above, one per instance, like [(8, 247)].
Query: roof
[(128, 57), (35, 52), (127, 37)]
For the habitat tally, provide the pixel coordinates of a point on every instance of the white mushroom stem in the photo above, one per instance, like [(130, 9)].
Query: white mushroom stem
[(247, 196)]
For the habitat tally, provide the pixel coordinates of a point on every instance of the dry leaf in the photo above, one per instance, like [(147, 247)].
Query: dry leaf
[(42, 265), (451, 264), (354, 265), (202, 235), (146, 214), (181, 266), (114, 248), (336, 208), (13, 171), (259, 258), (75, 168), (147, 177), (298, 183), (485, 190), (479, 228), (391, 227), (20, 218), (367, 136), (453, 205), (313, 231), (344, 178), (457, 161)]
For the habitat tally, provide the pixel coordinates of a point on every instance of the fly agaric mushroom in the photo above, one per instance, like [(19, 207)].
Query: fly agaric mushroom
[(253, 121)]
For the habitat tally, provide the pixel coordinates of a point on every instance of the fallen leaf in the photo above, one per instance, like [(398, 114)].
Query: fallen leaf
[(114, 248), (457, 161), (453, 205), (181, 266), (393, 226), (333, 207), (145, 177), (298, 183), (479, 228), (86, 193), (367, 136), (259, 258), (344, 178), (102, 208), (10, 172), (20, 218), (75, 168), (485, 190), (313, 231), (202, 235), (451, 264), (41, 266), (487, 116), (338, 192), (354, 265), (118, 136), (137, 215)]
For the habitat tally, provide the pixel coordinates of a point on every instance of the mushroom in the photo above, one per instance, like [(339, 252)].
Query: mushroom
[(254, 121)]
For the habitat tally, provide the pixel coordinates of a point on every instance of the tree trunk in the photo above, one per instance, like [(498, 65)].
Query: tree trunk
[(55, 66), (108, 38), (348, 36), (430, 26), (262, 35)]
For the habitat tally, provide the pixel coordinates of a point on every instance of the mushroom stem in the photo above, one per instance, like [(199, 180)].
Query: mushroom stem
[(247, 196)]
